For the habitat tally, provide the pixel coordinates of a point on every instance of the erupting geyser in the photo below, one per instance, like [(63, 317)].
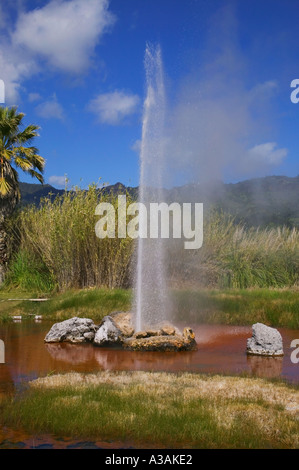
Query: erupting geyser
[(152, 302), (151, 297)]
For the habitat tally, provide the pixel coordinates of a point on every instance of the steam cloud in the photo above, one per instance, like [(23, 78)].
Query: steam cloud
[(221, 127)]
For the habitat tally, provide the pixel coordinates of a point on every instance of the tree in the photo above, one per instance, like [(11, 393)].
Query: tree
[(15, 153)]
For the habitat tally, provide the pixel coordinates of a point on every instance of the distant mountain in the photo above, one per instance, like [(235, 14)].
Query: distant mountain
[(273, 200), (33, 193), (268, 201)]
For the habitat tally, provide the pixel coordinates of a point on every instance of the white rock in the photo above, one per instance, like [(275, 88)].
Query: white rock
[(265, 341), (108, 333), (74, 330)]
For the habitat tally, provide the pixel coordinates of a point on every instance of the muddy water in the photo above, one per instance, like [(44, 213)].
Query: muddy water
[(221, 349)]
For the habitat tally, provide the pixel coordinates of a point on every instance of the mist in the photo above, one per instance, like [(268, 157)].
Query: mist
[(220, 125)]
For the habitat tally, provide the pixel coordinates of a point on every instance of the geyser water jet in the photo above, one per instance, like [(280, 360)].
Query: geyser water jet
[(151, 294)]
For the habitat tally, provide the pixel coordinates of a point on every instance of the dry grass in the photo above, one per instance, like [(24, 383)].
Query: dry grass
[(192, 386), (185, 410)]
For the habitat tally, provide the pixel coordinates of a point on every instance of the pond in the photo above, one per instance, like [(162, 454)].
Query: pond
[(221, 349)]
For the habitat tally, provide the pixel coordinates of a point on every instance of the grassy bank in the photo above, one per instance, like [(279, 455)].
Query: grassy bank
[(274, 307), (91, 303), (176, 411)]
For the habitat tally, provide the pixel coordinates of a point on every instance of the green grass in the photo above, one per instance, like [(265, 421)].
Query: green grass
[(29, 273), (176, 411), (91, 303), (274, 307)]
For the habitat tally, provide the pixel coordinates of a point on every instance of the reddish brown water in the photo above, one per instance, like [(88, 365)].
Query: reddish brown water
[(221, 349)]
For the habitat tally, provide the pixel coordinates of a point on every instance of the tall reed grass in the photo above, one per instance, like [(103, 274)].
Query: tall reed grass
[(61, 234), (238, 257), (60, 237)]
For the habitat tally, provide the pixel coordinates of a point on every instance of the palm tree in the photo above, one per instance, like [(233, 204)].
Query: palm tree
[(15, 153)]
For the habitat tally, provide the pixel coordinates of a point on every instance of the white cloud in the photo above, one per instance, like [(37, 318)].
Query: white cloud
[(58, 180), (34, 97), (267, 154), (263, 90), (50, 109), (112, 108), (14, 68), (65, 33)]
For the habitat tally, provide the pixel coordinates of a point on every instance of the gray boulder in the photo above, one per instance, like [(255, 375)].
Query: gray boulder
[(74, 330), (265, 341), (114, 329), (108, 333)]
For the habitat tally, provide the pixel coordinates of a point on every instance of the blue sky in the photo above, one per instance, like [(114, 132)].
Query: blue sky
[(76, 69)]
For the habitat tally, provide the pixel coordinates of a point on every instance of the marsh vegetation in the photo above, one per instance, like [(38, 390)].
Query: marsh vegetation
[(176, 411)]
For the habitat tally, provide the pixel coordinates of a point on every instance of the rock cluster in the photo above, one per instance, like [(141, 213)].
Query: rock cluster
[(162, 341), (74, 330), (117, 330), (265, 341)]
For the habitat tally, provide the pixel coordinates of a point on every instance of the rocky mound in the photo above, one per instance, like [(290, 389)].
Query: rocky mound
[(162, 341), (117, 330)]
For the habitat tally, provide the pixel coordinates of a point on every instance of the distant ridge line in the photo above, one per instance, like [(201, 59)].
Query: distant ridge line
[(265, 201)]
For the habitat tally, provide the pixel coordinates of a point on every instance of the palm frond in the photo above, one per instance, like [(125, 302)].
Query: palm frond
[(15, 150), (36, 175), (38, 162), (7, 154), (24, 156), (27, 135), (23, 163), (5, 187)]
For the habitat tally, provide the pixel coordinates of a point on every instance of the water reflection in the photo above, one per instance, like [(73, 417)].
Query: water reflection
[(269, 367), (70, 353)]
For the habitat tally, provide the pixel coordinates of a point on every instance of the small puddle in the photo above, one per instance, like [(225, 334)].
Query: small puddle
[(11, 439)]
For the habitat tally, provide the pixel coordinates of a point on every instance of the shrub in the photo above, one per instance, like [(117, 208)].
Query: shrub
[(29, 273)]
